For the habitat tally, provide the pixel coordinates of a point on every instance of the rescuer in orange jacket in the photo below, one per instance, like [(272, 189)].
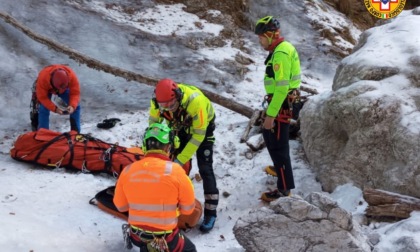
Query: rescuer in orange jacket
[(155, 191), (61, 81)]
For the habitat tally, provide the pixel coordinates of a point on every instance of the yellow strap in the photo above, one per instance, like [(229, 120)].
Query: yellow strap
[(58, 164), (150, 232)]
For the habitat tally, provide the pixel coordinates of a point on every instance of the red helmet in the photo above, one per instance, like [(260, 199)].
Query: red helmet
[(166, 90), (60, 79)]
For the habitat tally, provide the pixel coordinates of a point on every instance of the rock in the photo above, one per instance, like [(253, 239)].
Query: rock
[(364, 131), (294, 224)]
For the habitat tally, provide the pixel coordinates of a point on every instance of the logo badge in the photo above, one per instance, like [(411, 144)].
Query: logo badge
[(207, 152), (385, 9)]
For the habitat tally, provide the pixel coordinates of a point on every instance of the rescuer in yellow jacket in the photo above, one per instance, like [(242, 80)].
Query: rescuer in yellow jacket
[(191, 115), (155, 191), (281, 82)]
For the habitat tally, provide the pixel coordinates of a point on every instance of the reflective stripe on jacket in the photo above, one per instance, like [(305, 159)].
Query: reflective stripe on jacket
[(44, 87), (199, 109), (153, 190), (282, 74)]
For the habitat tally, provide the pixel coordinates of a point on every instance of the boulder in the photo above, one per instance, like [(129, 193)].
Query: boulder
[(366, 130), (291, 224)]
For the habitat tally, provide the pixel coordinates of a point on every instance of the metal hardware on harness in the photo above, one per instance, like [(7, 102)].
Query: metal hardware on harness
[(293, 97), (69, 141), (106, 156), (115, 174), (126, 234), (84, 169), (157, 243), (265, 102)]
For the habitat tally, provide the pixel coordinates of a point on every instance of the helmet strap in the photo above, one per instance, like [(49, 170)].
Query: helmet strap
[(178, 94), (272, 35), (270, 38)]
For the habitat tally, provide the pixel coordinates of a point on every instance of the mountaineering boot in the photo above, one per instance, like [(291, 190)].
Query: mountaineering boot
[(273, 195), (208, 223), (269, 169)]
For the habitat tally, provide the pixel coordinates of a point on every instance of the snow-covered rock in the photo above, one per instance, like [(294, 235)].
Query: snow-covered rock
[(294, 224), (366, 130)]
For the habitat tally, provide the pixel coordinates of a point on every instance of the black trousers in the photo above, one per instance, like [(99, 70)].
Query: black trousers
[(278, 147), (204, 156)]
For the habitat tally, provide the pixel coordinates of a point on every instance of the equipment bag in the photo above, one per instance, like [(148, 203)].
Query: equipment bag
[(73, 151), (104, 200)]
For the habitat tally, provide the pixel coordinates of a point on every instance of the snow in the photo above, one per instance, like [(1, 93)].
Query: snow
[(49, 210), (160, 20), (333, 22)]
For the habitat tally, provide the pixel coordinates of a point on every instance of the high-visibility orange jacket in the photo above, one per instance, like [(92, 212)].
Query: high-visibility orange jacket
[(44, 87), (154, 191)]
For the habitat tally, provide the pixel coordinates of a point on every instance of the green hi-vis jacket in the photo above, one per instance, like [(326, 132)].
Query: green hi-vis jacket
[(198, 108), (281, 75)]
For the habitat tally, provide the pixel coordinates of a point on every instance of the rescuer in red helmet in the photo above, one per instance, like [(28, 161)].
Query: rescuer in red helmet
[(61, 81), (191, 116)]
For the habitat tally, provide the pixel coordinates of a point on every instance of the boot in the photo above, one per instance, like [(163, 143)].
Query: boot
[(269, 169), (208, 223), (273, 195)]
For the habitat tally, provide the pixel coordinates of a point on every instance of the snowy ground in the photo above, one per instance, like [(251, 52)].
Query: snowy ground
[(48, 210)]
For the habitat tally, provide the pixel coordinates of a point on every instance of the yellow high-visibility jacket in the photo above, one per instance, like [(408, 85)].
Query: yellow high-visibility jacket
[(199, 112), (282, 74), (153, 190)]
